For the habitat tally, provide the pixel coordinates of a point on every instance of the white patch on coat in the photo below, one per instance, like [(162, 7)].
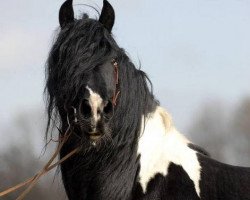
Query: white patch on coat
[(159, 145), (96, 103)]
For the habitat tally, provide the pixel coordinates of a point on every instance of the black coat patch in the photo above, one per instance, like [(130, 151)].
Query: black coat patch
[(220, 181), (176, 185)]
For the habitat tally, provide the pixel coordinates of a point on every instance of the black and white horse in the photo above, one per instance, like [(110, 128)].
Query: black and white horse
[(130, 149)]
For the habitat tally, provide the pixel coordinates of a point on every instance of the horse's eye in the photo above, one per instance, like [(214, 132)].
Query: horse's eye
[(108, 109), (85, 109)]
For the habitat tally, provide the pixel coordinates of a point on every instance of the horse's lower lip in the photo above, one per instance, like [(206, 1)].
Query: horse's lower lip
[(94, 133), (94, 136)]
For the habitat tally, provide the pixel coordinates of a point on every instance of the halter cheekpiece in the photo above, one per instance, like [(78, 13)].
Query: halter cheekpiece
[(116, 75)]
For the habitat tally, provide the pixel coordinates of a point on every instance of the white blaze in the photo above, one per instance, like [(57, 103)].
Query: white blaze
[(96, 102)]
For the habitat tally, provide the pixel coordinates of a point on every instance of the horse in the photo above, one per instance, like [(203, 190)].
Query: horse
[(130, 148)]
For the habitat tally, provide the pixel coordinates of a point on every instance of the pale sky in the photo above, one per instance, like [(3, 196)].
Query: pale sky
[(194, 51)]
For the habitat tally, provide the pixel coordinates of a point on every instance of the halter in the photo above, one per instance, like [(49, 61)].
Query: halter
[(116, 75)]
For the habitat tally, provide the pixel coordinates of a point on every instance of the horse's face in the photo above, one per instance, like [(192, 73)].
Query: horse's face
[(93, 107)]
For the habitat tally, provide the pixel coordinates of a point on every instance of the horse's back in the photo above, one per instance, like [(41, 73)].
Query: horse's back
[(223, 181)]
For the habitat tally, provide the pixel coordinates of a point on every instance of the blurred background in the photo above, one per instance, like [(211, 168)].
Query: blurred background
[(196, 53)]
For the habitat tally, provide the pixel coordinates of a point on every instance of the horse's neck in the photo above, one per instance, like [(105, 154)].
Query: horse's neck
[(160, 145), (117, 175), (108, 174)]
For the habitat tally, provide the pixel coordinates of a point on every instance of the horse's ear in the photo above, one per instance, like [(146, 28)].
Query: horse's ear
[(107, 17), (66, 13)]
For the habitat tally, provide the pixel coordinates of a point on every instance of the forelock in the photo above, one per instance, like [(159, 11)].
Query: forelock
[(80, 47)]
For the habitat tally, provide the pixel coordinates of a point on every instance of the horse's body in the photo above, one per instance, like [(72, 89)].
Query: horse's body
[(130, 148), (164, 166)]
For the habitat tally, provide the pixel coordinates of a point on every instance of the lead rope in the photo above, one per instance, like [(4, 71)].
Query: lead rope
[(49, 166)]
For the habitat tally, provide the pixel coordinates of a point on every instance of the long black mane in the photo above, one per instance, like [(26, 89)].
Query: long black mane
[(80, 47)]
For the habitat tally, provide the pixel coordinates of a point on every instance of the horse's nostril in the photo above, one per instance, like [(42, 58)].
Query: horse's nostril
[(108, 110), (85, 109)]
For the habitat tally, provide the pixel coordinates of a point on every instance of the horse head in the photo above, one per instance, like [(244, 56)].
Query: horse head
[(91, 83)]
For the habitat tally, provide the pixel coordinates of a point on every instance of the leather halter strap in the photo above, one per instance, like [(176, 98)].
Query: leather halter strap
[(116, 75)]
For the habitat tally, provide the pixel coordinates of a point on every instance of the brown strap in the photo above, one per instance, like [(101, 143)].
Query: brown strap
[(116, 72), (116, 75), (115, 97)]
